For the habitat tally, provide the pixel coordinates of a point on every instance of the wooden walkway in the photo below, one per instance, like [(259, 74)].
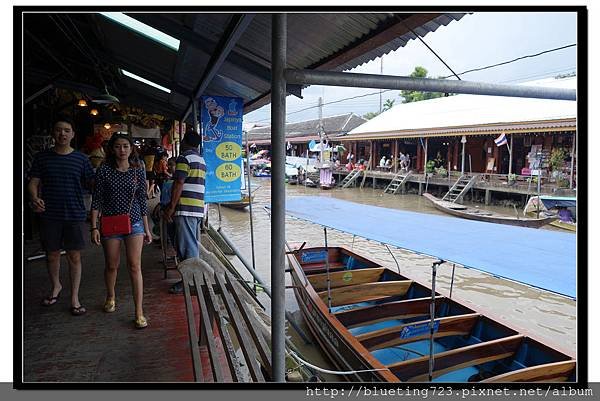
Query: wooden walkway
[(98, 346)]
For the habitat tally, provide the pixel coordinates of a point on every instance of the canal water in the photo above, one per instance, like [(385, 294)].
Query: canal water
[(549, 317)]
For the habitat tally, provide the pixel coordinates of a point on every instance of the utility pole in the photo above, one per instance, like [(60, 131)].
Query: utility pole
[(380, 90), (320, 129)]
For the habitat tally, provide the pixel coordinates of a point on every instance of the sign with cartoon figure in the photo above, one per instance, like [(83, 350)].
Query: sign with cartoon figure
[(221, 124)]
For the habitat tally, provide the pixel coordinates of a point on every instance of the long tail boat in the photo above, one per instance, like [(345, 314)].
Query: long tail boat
[(375, 324), (472, 213)]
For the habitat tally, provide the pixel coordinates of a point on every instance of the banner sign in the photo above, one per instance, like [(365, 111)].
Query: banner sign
[(221, 124)]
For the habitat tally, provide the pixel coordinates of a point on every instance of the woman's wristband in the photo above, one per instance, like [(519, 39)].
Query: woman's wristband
[(93, 228)]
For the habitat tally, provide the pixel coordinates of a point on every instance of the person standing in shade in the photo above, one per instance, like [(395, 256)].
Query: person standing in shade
[(56, 183), (121, 189), (186, 208)]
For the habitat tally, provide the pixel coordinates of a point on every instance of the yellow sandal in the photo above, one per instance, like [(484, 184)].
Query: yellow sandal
[(110, 305), (141, 322)]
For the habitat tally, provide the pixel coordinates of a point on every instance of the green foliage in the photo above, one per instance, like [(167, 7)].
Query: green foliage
[(557, 158), (429, 167), (416, 96), (441, 171), (370, 115), (389, 103)]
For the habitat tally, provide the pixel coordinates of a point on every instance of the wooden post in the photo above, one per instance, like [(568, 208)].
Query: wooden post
[(510, 153), (425, 156), (395, 156), (488, 196), (371, 145)]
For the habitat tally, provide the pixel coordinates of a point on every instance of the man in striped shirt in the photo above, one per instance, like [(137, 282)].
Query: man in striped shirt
[(187, 200), (57, 177)]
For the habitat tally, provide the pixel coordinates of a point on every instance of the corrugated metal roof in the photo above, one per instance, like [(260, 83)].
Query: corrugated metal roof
[(333, 126), (320, 40), (462, 113)]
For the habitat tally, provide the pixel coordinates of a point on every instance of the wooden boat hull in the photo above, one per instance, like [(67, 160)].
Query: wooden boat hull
[(243, 203), (488, 217), (376, 320)]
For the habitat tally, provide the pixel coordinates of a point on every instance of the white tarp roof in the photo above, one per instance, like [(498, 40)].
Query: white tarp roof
[(469, 110)]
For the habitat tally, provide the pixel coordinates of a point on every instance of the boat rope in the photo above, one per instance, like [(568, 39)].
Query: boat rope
[(331, 372)]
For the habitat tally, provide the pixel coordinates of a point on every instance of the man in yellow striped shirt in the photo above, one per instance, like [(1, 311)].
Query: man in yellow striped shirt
[(186, 208)]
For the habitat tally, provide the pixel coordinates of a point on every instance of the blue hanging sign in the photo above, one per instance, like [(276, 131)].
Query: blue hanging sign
[(419, 329), (221, 125)]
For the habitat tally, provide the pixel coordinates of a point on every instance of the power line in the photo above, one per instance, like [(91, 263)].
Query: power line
[(513, 60), (462, 73)]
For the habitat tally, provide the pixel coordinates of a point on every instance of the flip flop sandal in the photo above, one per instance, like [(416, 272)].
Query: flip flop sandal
[(78, 311), (49, 301)]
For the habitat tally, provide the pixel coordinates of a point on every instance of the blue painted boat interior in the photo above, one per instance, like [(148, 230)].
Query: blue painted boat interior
[(529, 353)]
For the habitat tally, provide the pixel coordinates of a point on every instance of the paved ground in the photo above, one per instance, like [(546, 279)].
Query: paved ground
[(101, 347)]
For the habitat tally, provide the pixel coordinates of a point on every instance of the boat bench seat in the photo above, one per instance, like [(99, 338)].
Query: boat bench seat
[(321, 267), (218, 320)]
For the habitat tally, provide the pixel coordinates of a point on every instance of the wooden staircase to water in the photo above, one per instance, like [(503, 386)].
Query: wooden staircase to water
[(397, 183), (349, 179), (457, 192)]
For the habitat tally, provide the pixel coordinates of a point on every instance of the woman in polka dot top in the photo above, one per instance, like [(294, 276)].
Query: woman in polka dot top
[(120, 188)]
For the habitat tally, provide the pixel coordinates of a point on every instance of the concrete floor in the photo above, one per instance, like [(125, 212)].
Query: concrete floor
[(101, 347)]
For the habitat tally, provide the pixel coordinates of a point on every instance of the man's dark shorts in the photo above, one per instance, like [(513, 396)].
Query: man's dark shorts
[(57, 234)]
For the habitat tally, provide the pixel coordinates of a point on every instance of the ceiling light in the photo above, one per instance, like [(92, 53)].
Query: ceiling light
[(82, 103), (141, 28), (94, 112), (105, 98), (144, 80)]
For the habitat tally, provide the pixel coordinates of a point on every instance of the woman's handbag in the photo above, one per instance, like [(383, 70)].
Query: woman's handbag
[(119, 224)]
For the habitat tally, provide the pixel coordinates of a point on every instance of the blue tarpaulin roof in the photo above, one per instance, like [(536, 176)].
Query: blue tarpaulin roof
[(540, 258)]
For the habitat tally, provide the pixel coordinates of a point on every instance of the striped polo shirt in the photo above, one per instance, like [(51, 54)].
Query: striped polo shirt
[(62, 178), (192, 168)]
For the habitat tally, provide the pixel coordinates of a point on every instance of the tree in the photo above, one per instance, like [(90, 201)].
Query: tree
[(416, 96), (389, 103), (370, 115)]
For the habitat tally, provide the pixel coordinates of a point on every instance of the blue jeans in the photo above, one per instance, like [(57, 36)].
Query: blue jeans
[(187, 236)]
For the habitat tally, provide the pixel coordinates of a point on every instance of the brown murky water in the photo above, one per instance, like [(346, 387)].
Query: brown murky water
[(547, 316)]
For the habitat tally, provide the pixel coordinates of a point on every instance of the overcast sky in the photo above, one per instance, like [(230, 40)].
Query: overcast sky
[(477, 40)]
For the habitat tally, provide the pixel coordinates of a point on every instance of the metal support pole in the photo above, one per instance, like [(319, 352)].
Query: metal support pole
[(278, 106), (327, 268), (260, 281), (434, 267), (195, 116), (452, 281), (333, 78), (247, 170)]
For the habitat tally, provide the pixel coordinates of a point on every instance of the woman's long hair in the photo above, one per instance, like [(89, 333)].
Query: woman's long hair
[(111, 158)]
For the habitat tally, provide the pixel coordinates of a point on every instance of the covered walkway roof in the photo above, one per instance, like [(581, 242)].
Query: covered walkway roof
[(472, 114), (223, 54)]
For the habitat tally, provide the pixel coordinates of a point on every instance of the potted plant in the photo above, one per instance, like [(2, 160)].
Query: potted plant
[(512, 178)]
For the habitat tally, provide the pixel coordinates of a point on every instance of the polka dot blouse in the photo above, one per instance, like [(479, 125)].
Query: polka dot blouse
[(114, 189)]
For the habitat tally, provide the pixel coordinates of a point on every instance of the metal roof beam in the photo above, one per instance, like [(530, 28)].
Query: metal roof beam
[(201, 43), (234, 31), (330, 78)]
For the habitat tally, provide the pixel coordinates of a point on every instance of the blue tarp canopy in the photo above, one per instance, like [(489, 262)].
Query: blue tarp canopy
[(555, 201), (540, 258)]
